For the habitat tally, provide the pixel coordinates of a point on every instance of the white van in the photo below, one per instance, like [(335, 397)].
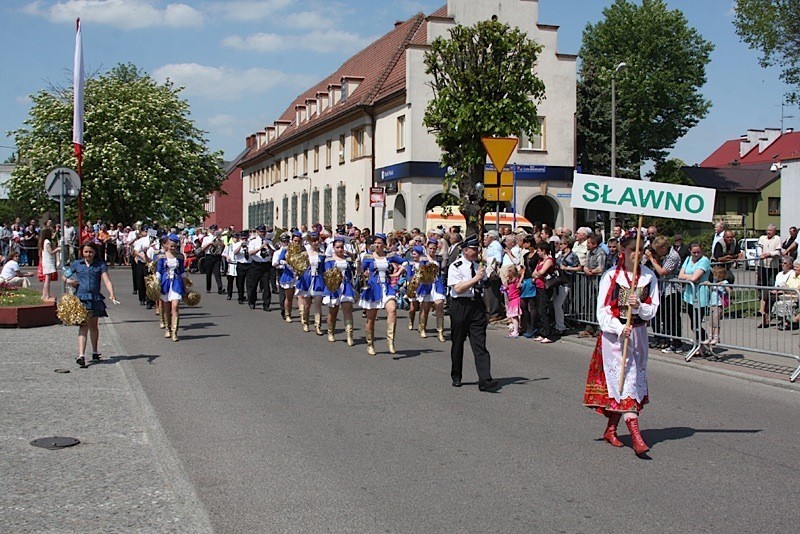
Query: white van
[(436, 217)]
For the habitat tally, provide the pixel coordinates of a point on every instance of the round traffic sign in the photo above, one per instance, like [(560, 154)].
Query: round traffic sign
[(71, 187)]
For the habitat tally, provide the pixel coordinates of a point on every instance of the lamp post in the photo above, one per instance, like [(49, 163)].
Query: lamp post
[(617, 69)]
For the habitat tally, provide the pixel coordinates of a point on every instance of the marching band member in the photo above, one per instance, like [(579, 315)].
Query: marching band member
[(229, 258), (171, 275), (278, 268), (344, 295), (432, 295), (379, 294), (412, 268), (311, 285), (603, 391), (241, 255)]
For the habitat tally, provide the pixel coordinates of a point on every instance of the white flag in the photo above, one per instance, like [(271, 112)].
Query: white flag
[(78, 84)]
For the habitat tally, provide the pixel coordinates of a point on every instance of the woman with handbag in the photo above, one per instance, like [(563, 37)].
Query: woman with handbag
[(545, 278), (47, 261)]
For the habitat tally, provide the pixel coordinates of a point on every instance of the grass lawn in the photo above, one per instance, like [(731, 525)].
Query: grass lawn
[(20, 297)]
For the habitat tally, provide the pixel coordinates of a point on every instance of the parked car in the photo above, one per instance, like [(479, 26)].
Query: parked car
[(749, 246)]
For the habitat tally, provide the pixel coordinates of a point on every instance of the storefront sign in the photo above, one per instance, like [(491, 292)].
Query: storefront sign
[(654, 199)]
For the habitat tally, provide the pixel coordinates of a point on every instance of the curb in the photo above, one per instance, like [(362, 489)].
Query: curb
[(195, 516)]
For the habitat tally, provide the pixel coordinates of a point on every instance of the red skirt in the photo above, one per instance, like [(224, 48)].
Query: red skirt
[(596, 395)]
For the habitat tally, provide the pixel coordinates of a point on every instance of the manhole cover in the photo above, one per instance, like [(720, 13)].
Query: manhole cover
[(62, 371), (54, 443)]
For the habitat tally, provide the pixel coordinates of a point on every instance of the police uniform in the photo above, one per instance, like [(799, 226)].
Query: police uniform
[(468, 319), (260, 251)]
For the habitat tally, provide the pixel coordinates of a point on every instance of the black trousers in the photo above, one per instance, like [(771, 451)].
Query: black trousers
[(493, 298), (260, 273), (468, 319), (241, 278), (213, 262), (544, 311), (133, 274), (141, 272)]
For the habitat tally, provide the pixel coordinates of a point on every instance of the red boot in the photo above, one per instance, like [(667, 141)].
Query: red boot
[(610, 435), (639, 446)]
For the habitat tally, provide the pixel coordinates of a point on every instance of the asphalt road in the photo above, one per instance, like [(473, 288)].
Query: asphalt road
[(281, 431)]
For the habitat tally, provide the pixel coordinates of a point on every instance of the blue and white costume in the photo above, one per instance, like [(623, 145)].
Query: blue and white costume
[(171, 274), (311, 283), (287, 278), (346, 292), (378, 291), (435, 291)]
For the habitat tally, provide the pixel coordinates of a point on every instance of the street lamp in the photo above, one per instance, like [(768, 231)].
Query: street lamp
[(617, 69)]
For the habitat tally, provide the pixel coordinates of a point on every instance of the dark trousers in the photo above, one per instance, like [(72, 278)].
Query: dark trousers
[(260, 273), (492, 297), (231, 282), (696, 314), (133, 274), (529, 315), (468, 319), (241, 278), (544, 311), (141, 272), (213, 262)]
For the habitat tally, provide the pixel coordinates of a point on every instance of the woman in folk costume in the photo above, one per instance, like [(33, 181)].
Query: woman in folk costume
[(288, 278), (603, 392), (379, 294), (171, 275), (411, 270), (311, 284), (432, 295), (344, 295)]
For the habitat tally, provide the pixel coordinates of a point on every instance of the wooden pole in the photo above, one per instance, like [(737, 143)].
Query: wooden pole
[(634, 284)]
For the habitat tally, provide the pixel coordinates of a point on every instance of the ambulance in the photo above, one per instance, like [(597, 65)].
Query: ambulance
[(437, 218)]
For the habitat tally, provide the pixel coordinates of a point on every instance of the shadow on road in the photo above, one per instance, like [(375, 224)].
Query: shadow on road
[(195, 326), (403, 354), (115, 359), (207, 336), (657, 435)]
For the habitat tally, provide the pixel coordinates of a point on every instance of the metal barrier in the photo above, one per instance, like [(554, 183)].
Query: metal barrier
[(729, 322)]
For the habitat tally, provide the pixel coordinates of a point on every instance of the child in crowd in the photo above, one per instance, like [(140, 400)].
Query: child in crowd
[(514, 301), (718, 301)]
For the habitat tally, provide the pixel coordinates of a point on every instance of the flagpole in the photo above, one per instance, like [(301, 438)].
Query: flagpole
[(78, 81)]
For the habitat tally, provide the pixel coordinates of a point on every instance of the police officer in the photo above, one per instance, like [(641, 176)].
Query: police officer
[(260, 250), (468, 315)]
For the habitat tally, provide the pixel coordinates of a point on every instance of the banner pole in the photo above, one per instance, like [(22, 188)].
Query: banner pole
[(629, 316)]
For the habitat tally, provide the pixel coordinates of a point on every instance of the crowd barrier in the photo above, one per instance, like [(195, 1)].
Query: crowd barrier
[(728, 321)]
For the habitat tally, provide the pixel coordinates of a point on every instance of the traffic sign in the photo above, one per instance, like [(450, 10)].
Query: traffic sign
[(499, 149), (503, 191), (71, 186)]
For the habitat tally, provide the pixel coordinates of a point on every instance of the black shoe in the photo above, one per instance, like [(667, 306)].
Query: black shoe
[(266, 308), (80, 361), (95, 356), (208, 291), (456, 382), (135, 292), (220, 291), (242, 301), (150, 306), (763, 325), (229, 297), (488, 385), (252, 306)]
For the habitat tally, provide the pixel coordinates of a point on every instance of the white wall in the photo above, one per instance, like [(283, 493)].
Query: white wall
[(790, 196)]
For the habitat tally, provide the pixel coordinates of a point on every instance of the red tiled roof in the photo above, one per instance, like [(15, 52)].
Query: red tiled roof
[(784, 147), (382, 67)]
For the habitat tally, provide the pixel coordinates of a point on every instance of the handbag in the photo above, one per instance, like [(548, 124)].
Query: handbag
[(528, 290), (553, 279), (40, 274)]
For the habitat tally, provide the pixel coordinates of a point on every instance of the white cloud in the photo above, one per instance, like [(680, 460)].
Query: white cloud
[(309, 20), (222, 83), (224, 124), (246, 10), (317, 41), (123, 14)]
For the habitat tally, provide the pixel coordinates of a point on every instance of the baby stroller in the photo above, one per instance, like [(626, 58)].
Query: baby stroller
[(401, 295)]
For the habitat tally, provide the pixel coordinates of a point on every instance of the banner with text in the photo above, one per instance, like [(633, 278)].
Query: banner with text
[(654, 199)]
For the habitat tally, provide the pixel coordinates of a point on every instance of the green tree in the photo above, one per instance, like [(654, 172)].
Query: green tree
[(143, 156), (483, 85), (772, 27), (669, 172), (658, 94)]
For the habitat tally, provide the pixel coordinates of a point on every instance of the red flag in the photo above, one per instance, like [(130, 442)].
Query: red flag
[(78, 84)]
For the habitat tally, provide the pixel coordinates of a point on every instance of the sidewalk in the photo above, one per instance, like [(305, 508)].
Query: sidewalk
[(123, 476)]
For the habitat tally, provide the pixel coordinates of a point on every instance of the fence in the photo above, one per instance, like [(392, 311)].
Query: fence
[(729, 319)]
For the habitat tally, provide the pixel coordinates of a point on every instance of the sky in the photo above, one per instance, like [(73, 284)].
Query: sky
[(242, 62)]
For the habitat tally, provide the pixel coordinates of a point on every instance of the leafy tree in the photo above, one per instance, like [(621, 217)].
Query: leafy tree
[(669, 172), (483, 85), (658, 94), (143, 158), (773, 28)]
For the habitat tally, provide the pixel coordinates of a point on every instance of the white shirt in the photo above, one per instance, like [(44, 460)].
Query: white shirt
[(459, 271), (10, 270), (141, 245), (254, 249)]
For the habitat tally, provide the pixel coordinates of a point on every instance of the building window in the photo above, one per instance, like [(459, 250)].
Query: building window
[(305, 162), (327, 207), (341, 149), (285, 216), (743, 205), (341, 204), (304, 208), (294, 167), (774, 206), (537, 142), (401, 133), (328, 149), (315, 206), (286, 169), (294, 210), (719, 205), (358, 143), (316, 158)]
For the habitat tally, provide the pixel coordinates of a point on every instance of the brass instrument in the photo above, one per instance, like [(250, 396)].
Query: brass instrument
[(333, 279)]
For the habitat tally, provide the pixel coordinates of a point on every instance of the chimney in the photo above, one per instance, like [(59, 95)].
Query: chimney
[(397, 23), (769, 137), (788, 130), (250, 141), (748, 141)]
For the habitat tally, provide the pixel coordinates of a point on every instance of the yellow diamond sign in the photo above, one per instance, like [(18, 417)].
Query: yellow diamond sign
[(499, 149)]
